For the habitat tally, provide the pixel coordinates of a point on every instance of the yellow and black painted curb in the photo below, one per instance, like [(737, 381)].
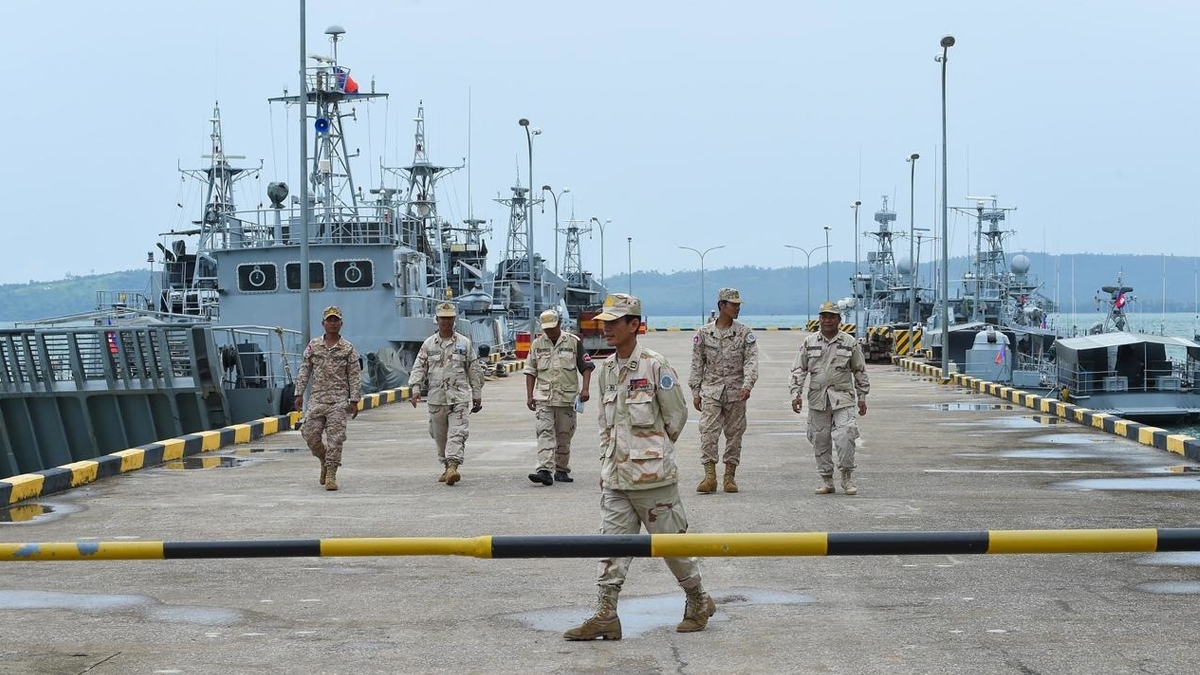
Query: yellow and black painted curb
[(780, 544), (1180, 444), (62, 478)]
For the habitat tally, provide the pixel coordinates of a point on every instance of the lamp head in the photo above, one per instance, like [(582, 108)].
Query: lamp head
[(914, 157), (565, 191), (523, 122), (536, 131), (547, 187), (948, 41), (857, 203)]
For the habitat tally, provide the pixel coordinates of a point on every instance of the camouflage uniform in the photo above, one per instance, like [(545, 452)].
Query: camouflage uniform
[(335, 373), (724, 361), (642, 413), (556, 368), (446, 375), (837, 375)]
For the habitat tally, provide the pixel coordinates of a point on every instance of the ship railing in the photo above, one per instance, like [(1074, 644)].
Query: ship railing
[(258, 357), (105, 358), (345, 224), (1163, 375)]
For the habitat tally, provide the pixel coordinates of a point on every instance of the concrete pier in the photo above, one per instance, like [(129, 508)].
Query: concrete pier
[(932, 457)]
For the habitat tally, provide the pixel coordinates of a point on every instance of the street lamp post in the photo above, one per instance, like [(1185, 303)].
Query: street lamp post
[(706, 252), (827, 295), (947, 42), (629, 240), (601, 224), (807, 276), (917, 264), (857, 203), (529, 134), (912, 279), (547, 188)]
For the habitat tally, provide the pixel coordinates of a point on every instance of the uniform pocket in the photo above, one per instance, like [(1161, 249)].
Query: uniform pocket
[(610, 409), (641, 408)]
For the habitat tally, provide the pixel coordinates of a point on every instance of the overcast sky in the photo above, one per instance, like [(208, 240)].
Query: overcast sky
[(747, 124)]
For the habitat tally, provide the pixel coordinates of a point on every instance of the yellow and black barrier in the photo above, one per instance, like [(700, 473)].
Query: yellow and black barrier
[(779, 544)]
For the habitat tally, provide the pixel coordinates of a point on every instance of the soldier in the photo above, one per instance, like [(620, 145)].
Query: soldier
[(834, 362), (552, 389), (724, 370), (641, 416), (445, 371), (333, 366)]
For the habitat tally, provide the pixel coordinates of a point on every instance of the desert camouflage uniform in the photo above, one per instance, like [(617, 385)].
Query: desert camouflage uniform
[(335, 373), (446, 375), (642, 413), (837, 374), (724, 361), (556, 367)]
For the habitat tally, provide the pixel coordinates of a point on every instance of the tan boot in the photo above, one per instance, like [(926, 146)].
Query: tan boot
[(331, 478), (709, 484), (445, 470), (322, 461), (452, 476), (696, 610), (847, 485), (730, 482), (826, 486), (604, 624)]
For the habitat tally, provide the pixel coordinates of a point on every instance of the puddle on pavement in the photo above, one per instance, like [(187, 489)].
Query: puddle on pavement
[(959, 407), (1083, 437), (39, 512), (268, 451), (640, 615), (1172, 559), (1164, 484), (148, 607), (1048, 454), (201, 462), (1171, 587)]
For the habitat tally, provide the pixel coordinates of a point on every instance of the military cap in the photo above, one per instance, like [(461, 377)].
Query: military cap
[(829, 308), (729, 295), (329, 311), (549, 319), (617, 305), (446, 309)]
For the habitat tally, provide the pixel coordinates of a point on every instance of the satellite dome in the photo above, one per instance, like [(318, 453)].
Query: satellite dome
[(904, 266), (1019, 264)]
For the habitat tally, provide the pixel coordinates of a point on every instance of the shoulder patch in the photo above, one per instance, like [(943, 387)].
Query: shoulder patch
[(696, 339), (750, 337), (587, 358), (666, 382)]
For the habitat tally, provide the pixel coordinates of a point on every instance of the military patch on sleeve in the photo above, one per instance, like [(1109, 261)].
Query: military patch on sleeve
[(750, 337), (696, 339), (666, 382), (587, 358)]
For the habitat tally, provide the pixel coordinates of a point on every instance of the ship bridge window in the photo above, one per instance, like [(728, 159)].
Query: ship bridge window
[(316, 276), (353, 274), (257, 278)]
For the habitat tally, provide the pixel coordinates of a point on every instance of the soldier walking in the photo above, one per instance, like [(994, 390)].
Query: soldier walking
[(724, 370), (332, 364), (556, 360), (445, 372), (833, 364), (641, 415)]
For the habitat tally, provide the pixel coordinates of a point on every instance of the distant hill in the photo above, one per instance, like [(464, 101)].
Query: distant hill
[(765, 290), (42, 299)]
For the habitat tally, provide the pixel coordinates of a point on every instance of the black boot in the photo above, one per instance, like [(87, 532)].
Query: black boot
[(563, 477), (542, 476)]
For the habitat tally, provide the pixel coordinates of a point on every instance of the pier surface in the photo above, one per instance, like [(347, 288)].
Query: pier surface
[(932, 457)]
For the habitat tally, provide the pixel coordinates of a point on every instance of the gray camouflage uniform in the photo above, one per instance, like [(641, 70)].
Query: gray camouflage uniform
[(446, 375), (724, 361), (335, 373), (837, 376)]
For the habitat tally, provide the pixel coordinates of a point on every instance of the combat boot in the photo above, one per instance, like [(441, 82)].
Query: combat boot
[(445, 470), (730, 473), (696, 610), (563, 477), (331, 478), (322, 461), (826, 486), (709, 484), (452, 476), (847, 485), (604, 624)]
